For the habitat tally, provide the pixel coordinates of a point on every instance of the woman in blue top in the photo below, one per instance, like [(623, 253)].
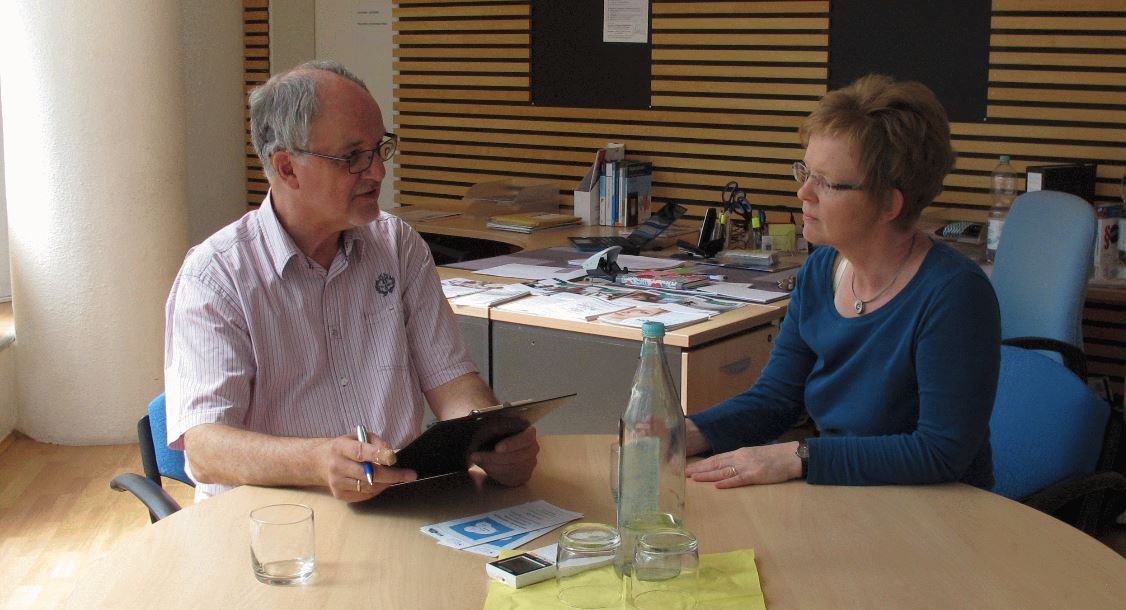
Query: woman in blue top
[(891, 342)]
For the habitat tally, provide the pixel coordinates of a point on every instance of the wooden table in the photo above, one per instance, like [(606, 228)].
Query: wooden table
[(941, 546)]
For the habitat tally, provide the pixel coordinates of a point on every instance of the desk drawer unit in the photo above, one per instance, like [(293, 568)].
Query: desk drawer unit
[(533, 362), (717, 371)]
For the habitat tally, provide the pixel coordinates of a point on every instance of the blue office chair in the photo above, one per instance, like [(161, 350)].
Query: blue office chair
[(1054, 441), (1041, 268), (157, 460)]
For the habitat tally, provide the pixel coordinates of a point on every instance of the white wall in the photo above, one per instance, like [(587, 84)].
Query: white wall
[(292, 31), (5, 268), (8, 411), (212, 176), (213, 107)]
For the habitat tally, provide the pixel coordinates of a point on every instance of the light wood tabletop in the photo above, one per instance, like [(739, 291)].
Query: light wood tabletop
[(941, 546)]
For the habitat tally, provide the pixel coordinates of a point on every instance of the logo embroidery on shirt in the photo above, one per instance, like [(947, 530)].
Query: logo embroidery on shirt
[(385, 284)]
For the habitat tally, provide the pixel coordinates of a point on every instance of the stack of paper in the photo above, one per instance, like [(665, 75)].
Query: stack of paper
[(507, 528), (531, 221)]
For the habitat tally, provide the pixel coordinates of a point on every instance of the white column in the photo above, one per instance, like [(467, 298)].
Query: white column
[(94, 139)]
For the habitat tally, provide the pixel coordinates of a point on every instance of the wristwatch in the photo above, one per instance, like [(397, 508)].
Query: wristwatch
[(803, 454)]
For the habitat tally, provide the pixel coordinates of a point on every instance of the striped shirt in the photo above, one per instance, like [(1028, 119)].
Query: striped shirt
[(260, 337)]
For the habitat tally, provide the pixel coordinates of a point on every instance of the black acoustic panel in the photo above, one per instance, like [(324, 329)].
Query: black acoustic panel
[(572, 67), (944, 45)]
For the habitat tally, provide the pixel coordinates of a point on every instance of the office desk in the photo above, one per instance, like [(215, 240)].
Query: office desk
[(943, 546), (524, 356)]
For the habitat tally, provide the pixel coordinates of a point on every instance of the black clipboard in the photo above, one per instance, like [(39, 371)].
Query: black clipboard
[(444, 447)]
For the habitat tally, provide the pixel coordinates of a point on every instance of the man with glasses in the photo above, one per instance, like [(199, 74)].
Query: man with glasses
[(315, 314)]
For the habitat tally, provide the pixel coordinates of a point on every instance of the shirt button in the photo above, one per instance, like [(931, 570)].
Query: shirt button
[(343, 381)]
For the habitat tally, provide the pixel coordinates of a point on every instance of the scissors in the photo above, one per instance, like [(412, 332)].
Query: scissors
[(735, 199)]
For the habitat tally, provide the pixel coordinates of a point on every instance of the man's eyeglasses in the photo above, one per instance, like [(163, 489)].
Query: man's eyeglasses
[(359, 161), (821, 184)]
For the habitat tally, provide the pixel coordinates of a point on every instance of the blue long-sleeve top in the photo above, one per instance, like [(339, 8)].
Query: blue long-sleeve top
[(900, 395)]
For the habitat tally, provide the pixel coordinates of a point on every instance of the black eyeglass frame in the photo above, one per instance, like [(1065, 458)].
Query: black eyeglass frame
[(802, 174), (386, 149)]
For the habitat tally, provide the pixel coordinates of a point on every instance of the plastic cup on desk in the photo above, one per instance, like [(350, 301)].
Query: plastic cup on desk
[(282, 544), (666, 567), (584, 568)]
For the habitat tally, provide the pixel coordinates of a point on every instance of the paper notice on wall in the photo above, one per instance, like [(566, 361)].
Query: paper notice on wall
[(625, 21)]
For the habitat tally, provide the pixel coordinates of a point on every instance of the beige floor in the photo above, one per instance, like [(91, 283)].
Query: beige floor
[(58, 514)]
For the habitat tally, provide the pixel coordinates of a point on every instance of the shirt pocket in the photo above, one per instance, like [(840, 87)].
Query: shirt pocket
[(386, 337)]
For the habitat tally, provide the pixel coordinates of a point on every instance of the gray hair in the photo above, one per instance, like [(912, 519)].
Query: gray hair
[(283, 108)]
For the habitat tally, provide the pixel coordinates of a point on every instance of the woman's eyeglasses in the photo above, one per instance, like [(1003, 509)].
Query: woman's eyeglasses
[(821, 184)]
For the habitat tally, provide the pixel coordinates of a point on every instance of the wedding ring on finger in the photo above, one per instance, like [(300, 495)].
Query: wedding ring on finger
[(734, 472), (357, 486)]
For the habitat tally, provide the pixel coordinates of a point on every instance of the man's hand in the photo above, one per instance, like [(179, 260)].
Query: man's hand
[(749, 466), (342, 467), (512, 460)]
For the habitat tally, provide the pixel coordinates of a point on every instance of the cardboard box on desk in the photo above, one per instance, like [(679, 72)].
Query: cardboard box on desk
[(500, 197)]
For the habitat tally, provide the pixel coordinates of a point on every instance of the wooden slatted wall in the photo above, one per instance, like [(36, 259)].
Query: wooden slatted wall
[(255, 70), (731, 83)]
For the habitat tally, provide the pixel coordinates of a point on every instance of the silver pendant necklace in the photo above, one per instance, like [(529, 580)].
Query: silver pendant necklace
[(859, 303)]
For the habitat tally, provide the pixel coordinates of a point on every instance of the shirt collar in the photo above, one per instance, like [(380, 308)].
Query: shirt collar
[(280, 245)]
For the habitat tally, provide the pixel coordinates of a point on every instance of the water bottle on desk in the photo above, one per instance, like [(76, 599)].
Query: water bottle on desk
[(1003, 187), (651, 471)]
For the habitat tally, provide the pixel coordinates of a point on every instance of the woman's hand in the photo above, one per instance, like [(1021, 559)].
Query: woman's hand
[(749, 466)]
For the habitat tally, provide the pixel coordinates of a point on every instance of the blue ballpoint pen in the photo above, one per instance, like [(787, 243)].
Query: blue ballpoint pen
[(362, 436)]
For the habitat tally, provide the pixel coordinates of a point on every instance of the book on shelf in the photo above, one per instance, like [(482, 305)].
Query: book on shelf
[(528, 222), (635, 180), (638, 315), (659, 278)]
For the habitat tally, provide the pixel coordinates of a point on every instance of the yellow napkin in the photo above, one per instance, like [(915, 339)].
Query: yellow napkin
[(727, 580)]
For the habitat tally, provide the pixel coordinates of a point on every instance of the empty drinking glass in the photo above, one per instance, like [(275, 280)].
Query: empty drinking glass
[(666, 568), (584, 566), (282, 544)]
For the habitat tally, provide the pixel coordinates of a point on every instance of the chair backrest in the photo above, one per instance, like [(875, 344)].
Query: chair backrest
[(1042, 265), (1046, 427), (158, 460)]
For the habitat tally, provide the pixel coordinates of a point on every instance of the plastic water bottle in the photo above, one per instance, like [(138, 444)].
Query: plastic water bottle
[(651, 470), (1003, 187)]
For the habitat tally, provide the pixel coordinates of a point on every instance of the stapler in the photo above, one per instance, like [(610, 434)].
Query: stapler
[(603, 265)]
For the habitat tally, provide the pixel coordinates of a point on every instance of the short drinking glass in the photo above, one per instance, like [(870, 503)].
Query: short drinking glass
[(584, 566), (666, 567), (282, 544)]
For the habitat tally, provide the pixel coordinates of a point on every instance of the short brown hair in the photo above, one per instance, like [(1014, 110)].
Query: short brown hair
[(901, 133)]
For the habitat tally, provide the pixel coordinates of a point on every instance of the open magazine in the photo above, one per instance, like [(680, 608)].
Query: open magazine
[(666, 314)]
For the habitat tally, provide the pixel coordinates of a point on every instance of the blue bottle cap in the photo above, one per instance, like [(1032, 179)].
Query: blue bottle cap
[(652, 329)]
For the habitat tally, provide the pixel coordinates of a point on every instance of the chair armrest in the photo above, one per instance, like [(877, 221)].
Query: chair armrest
[(159, 503), (1073, 357), (1053, 499)]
